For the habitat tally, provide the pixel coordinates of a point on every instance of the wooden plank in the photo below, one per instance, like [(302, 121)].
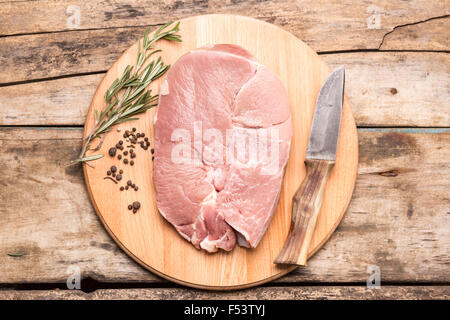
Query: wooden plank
[(259, 293), (398, 218), (61, 54), (384, 89), (325, 24), (55, 102)]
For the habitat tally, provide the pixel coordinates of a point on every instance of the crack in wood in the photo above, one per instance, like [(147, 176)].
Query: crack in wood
[(410, 24)]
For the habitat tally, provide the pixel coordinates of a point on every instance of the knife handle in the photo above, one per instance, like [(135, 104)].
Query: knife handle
[(306, 205)]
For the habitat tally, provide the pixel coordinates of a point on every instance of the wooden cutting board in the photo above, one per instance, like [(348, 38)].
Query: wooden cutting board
[(153, 242)]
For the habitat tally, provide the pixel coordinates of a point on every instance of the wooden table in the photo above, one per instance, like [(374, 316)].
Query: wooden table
[(397, 62)]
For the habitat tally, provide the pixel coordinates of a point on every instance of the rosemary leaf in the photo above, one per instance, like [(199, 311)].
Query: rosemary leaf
[(93, 157), (15, 254)]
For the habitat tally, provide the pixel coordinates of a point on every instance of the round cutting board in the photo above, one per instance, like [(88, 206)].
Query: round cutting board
[(152, 241)]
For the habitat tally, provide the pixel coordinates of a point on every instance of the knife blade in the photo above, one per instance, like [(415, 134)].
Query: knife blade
[(327, 118), (320, 159)]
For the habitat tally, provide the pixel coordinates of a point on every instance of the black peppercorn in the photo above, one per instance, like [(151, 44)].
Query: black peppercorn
[(112, 152), (119, 177), (122, 188), (119, 156), (113, 168), (130, 207), (108, 173), (136, 205)]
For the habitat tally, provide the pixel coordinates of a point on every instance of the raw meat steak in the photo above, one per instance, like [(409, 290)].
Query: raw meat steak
[(222, 138)]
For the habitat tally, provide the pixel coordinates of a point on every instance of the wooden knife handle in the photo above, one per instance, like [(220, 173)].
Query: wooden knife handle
[(306, 205)]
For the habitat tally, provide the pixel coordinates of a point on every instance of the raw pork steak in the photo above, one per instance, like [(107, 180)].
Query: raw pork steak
[(222, 139)]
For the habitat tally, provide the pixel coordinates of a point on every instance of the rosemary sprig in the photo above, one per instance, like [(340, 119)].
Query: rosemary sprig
[(128, 95)]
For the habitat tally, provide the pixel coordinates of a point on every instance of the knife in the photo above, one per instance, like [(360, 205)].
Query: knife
[(320, 159)]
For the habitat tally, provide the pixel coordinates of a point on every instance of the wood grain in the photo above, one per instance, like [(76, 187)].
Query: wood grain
[(149, 239), (326, 25), (272, 293), (396, 220), (306, 205), (384, 89)]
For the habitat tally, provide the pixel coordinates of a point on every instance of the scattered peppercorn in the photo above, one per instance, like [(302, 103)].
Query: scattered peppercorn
[(131, 163), (120, 142), (119, 156), (125, 153), (152, 151), (130, 207), (120, 171), (125, 161), (113, 168), (134, 129), (127, 187), (119, 177), (108, 173), (129, 182), (136, 205), (122, 188), (112, 152), (136, 188)]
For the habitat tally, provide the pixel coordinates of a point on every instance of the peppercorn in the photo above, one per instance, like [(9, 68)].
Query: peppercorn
[(112, 152), (136, 205), (119, 177), (113, 168)]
